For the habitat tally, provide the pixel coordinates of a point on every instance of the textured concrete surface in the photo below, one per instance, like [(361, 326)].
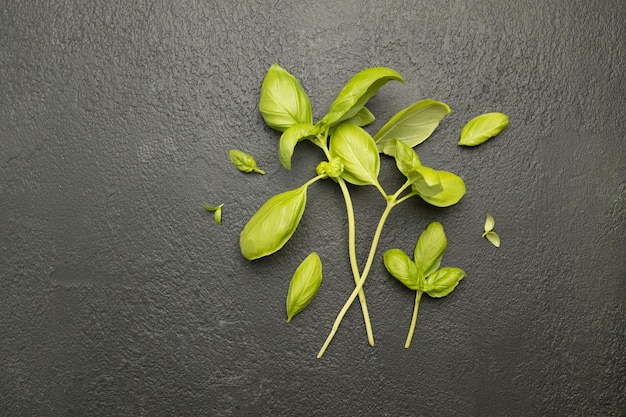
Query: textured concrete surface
[(120, 297)]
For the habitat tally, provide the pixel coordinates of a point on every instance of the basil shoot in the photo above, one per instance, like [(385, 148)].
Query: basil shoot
[(352, 156), (491, 236), (244, 162), (483, 127), (217, 212), (304, 285), (423, 274)]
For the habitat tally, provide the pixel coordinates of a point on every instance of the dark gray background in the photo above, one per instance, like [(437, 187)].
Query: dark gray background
[(121, 297)]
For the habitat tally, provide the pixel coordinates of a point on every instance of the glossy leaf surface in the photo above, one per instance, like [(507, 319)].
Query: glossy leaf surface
[(290, 138), (453, 190), (483, 127), (283, 102), (489, 223), (412, 125), (217, 212), (244, 162), (362, 118), (430, 248), (273, 224), (402, 268), (443, 281), (493, 237), (358, 153), (304, 285)]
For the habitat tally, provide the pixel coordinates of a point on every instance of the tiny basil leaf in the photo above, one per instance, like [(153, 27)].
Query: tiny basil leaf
[(357, 150), (290, 138), (333, 168), (283, 102), (412, 125), (273, 224), (430, 247), (489, 224), (217, 212), (304, 285), (443, 281), (402, 268), (483, 127), (453, 190), (356, 93), (407, 160), (494, 238), (244, 162), (362, 118)]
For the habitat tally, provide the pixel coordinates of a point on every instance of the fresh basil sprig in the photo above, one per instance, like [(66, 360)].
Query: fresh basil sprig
[(489, 234)]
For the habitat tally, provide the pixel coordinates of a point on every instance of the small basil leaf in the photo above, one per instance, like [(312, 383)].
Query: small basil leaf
[(304, 285), (402, 268), (453, 190), (425, 181), (362, 118), (443, 281), (357, 150), (494, 238), (412, 125), (217, 212), (407, 160), (356, 93), (283, 102), (489, 224), (430, 247), (483, 127), (290, 138), (273, 224), (244, 162)]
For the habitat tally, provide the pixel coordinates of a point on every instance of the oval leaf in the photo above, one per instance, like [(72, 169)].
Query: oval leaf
[(483, 127), (362, 118), (494, 238), (453, 190), (304, 285), (273, 224), (356, 93), (411, 126), (489, 223), (443, 281), (357, 150), (425, 181), (290, 138), (244, 162), (407, 160), (402, 268), (283, 102), (430, 247)]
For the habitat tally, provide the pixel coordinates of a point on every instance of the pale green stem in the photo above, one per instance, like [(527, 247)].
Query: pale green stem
[(409, 337), (391, 203)]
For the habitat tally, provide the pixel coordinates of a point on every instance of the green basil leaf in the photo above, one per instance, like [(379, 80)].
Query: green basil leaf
[(244, 162), (273, 224), (425, 181), (489, 224), (402, 268), (304, 285), (332, 168), (429, 249), (362, 118), (217, 212), (483, 127), (283, 102), (494, 238), (290, 138), (453, 190), (443, 281), (407, 160), (412, 125), (357, 150), (356, 93)]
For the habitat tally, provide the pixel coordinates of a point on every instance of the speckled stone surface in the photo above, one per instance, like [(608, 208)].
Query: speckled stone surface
[(120, 297)]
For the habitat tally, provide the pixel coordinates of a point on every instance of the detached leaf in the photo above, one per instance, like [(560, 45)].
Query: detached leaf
[(362, 118), (244, 162), (453, 190), (411, 126), (493, 238), (430, 248), (482, 128), (273, 224), (357, 150), (304, 285), (443, 281), (283, 102), (402, 268), (290, 138), (217, 212), (489, 224), (356, 93)]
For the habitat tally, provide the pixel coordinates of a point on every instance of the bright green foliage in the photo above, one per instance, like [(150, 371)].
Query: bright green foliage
[(290, 138), (491, 236), (304, 285), (217, 212), (411, 126), (244, 162), (482, 128), (357, 150), (283, 102), (362, 118)]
